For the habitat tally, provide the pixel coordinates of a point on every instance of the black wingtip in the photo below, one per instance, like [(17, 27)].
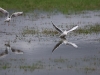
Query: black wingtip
[(52, 23)]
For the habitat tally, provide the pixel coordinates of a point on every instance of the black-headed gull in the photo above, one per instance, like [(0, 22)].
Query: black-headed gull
[(64, 41), (16, 51), (8, 17), (65, 32), (3, 54)]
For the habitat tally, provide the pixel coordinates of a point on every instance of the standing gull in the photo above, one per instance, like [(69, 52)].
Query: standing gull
[(14, 50), (64, 33), (8, 17), (3, 54)]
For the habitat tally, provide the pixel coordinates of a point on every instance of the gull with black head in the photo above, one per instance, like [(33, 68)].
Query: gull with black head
[(14, 50), (8, 17), (65, 32)]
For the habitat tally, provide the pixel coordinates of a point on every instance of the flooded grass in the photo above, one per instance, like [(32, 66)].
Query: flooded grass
[(5, 66), (64, 5), (28, 30), (32, 67), (89, 29), (60, 60), (85, 64), (89, 69), (47, 31)]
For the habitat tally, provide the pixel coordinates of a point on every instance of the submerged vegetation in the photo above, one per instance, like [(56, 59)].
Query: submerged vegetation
[(87, 64), (46, 31), (89, 29), (29, 31), (60, 5), (49, 32), (32, 67)]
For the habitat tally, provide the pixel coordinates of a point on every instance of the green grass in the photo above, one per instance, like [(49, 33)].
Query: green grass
[(60, 5)]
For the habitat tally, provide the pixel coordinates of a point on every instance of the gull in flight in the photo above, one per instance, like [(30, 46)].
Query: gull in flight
[(8, 17), (64, 41), (64, 33), (16, 51)]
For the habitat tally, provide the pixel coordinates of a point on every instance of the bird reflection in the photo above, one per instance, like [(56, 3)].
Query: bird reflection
[(14, 50), (64, 41), (3, 54), (17, 51)]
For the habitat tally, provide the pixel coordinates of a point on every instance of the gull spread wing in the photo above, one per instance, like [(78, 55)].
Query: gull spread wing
[(57, 45), (4, 11), (16, 14), (73, 44), (73, 28), (57, 28)]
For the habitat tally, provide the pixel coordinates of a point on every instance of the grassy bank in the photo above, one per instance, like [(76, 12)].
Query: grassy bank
[(49, 5)]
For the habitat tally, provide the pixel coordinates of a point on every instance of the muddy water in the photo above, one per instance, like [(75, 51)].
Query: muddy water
[(37, 49)]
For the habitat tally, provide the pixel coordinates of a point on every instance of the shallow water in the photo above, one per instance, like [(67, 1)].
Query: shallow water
[(38, 48)]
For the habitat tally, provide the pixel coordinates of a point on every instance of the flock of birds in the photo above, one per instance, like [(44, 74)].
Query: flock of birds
[(62, 36)]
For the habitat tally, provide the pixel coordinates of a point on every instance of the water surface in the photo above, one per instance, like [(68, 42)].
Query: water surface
[(38, 57)]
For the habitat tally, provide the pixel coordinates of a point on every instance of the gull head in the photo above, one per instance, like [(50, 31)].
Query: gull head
[(7, 46)]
